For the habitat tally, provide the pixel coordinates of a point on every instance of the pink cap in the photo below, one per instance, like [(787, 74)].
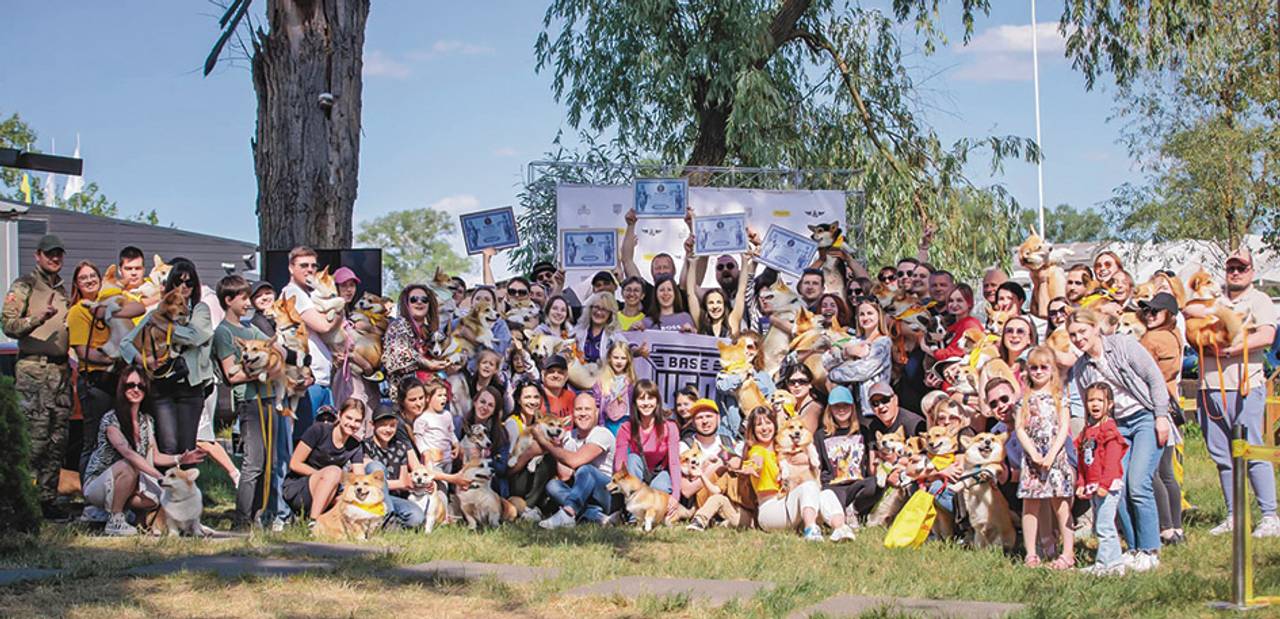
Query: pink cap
[(343, 274)]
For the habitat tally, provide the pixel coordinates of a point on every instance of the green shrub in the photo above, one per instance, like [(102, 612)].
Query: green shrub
[(19, 504)]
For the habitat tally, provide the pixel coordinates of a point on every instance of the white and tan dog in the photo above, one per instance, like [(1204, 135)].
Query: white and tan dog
[(481, 506), (1044, 264), (181, 504), (649, 506), (785, 305), (430, 497), (989, 514)]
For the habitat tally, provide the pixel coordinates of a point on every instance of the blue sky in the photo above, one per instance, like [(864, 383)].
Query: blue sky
[(453, 110)]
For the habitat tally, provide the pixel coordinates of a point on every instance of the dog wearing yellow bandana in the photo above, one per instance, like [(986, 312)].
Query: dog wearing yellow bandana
[(359, 510)]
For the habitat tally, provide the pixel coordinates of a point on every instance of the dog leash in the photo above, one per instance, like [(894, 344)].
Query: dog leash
[(268, 446)]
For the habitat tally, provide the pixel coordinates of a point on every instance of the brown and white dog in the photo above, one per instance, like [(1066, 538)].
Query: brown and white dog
[(648, 506), (481, 506), (1210, 323), (1048, 279), (154, 341), (988, 510), (370, 319), (785, 305), (149, 293), (429, 495), (291, 335), (797, 457), (181, 504), (830, 242), (358, 511), (733, 360), (550, 425)]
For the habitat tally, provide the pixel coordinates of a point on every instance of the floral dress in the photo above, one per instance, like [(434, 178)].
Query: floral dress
[(1058, 480)]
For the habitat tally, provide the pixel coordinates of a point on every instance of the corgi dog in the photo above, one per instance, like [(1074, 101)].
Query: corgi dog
[(793, 440), (429, 496), (261, 360), (995, 368), (884, 293), (908, 457), (473, 331), (326, 300), (152, 287), (979, 345), (647, 505), (291, 335), (370, 319), (1158, 283), (989, 513), (962, 377), (1048, 279), (733, 360), (580, 374), (154, 341), (439, 285), (784, 305), (691, 461), (1058, 340), (358, 511), (112, 296), (783, 404), (181, 504), (888, 449), (830, 240), (1130, 323), (1210, 323), (481, 506), (475, 442), (940, 441), (901, 302), (550, 425), (522, 318), (811, 338)]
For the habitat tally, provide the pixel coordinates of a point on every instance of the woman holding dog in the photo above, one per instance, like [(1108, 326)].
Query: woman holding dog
[(648, 445), (315, 471), (121, 473), (866, 360), (1141, 414), (959, 312), (182, 381), (488, 411), (531, 403), (407, 345)]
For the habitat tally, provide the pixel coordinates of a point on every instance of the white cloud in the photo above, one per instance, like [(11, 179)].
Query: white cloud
[(504, 151), (379, 64), (451, 48), (1003, 53), (456, 204)]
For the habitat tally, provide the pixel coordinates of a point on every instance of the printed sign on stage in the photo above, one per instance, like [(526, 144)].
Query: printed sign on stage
[(677, 359)]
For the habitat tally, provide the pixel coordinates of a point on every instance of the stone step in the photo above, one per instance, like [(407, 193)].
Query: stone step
[(463, 571), (857, 605), (231, 566), (321, 550), (26, 574)]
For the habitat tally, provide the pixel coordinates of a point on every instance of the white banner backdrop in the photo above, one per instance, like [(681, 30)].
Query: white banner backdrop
[(605, 206)]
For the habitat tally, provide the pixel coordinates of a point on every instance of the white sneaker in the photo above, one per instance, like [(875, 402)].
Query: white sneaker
[(1097, 569), (557, 520), (1142, 561), (1269, 526), (812, 534), (842, 533), (277, 526), (93, 514), (532, 515), (1224, 528), (118, 526)]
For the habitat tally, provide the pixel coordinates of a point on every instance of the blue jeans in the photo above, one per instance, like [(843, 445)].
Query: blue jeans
[(1104, 526), (399, 511), (1140, 518), (588, 497), (942, 497), (1217, 424), (658, 481), (280, 465)]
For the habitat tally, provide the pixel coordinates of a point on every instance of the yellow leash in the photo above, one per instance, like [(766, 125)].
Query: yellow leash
[(269, 447)]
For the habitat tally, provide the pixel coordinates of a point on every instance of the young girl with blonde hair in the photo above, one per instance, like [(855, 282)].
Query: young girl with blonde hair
[(612, 390), (1043, 429)]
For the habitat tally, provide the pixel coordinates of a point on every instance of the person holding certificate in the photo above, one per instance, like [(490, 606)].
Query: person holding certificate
[(712, 314)]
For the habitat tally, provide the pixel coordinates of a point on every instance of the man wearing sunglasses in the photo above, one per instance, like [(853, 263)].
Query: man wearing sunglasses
[(1236, 394), (35, 314), (1002, 400), (885, 415), (302, 263)]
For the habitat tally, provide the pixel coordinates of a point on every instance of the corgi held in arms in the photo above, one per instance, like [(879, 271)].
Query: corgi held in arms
[(291, 335), (784, 306), (154, 342), (832, 255), (734, 360), (1210, 323), (1044, 265)]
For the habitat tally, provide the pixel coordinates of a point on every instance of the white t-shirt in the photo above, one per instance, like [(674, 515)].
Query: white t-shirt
[(599, 436), (435, 431), (321, 358)]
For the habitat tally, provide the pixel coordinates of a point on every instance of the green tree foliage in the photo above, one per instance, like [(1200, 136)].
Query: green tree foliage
[(19, 505), (790, 84), (15, 133), (1065, 224), (1198, 93), (414, 243)]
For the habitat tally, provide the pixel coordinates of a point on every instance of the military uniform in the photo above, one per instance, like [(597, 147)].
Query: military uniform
[(43, 373)]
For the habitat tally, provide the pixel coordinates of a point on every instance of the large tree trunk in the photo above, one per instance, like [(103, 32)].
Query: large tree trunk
[(306, 153)]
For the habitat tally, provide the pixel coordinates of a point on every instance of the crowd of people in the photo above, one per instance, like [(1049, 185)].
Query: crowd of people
[(898, 375)]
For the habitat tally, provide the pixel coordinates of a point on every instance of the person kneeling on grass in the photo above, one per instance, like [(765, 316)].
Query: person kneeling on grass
[(713, 494), (122, 470), (583, 460), (390, 449), (779, 509), (315, 471), (648, 445)]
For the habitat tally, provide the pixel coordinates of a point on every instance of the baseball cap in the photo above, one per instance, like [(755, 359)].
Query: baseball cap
[(50, 242), (326, 413), (840, 395), (879, 389), (541, 267), (1241, 255), (703, 404), (259, 287), (1162, 301), (604, 276), (555, 361), (383, 412), (344, 274)]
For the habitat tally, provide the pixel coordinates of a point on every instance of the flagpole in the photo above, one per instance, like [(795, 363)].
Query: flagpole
[(1035, 72)]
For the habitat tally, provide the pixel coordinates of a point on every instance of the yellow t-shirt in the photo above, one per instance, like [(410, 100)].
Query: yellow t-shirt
[(768, 479), (626, 321), (84, 330)]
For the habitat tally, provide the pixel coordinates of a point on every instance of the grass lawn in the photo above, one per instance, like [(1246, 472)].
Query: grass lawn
[(805, 573)]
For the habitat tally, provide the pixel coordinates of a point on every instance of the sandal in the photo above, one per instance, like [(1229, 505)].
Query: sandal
[(1031, 561), (1063, 562)]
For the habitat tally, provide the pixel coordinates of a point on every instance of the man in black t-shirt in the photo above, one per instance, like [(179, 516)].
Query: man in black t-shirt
[(887, 416)]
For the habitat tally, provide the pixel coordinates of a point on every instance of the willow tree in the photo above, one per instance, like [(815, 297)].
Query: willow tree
[(1199, 88), (306, 69), (790, 84)]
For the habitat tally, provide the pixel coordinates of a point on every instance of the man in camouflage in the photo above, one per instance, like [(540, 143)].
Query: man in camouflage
[(35, 314)]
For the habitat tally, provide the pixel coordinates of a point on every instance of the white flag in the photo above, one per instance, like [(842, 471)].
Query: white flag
[(74, 183), (49, 187)]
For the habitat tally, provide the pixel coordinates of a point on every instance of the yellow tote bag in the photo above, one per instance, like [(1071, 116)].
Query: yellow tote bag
[(911, 528)]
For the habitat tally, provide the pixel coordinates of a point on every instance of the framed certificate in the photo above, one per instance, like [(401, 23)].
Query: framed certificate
[(589, 249), (494, 228), (661, 197), (720, 234), (787, 251)]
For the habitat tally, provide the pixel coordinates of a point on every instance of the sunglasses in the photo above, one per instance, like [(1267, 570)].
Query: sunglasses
[(1002, 400), (878, 402), (418, 299), (857, 292), (1239, 268), (902, 274), (1059, 311), (132, 385), (726, 267), (185, 281), (1018, 331), (884, 279), (797, 382), (518, 292)]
